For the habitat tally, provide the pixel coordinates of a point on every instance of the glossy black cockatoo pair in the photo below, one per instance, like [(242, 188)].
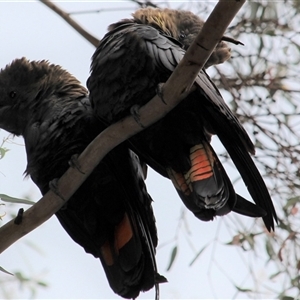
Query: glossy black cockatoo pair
[(110, 215), (133, 58)]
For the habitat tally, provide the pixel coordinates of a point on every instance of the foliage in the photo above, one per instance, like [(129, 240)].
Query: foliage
[(3, 150), (10, 284), (261, 85), (13, 280), (10, 281), (265, 95)]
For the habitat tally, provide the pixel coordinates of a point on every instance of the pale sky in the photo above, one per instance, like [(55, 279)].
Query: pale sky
[(30, 29)]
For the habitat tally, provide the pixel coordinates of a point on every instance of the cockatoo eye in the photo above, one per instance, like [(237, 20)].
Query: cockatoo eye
[(182, 35), (12, 94)]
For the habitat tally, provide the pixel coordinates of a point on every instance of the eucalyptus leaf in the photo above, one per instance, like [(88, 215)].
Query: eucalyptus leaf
[(172, 258), (6, 198), (4, 271)]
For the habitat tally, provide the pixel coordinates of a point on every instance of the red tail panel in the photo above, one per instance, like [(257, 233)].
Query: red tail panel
[(123, 233), (107, 254), (201, 166)]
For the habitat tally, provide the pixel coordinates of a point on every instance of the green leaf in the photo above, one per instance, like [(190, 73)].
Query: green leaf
[(21, 277), (172, 258), (269, 249), (3, 152), (275, 275), (9, 199), (270, 32), (284, 226), (4, 271), (243, 290), (198, 254), (41, 283), (287, 298), (292, 201)]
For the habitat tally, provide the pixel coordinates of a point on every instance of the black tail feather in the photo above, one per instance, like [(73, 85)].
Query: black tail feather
[(247, 208)]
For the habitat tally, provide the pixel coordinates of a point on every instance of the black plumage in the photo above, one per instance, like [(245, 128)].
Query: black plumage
[(132, 59), (110, 215)]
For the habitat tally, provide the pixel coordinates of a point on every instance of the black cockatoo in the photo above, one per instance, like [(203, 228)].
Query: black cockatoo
[(110, 215), (132, 59)]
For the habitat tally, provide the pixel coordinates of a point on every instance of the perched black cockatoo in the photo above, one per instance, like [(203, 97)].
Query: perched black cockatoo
[(110, 215), (132, 59)]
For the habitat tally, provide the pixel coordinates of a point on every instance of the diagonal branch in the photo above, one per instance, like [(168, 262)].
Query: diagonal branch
[(175, 90), (93, 40)]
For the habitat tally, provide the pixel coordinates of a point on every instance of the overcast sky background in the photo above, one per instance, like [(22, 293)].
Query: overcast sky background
[(30, 29)]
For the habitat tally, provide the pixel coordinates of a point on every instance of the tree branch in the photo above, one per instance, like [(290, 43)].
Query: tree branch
[(175, 89), (144, 4), (93, 40)]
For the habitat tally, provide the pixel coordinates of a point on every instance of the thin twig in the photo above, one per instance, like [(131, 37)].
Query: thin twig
[(93, 40), (98, 11)]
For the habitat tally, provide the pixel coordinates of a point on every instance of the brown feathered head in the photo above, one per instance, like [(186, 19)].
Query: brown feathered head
[(25, 85), (23, 74), (181, 25)]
